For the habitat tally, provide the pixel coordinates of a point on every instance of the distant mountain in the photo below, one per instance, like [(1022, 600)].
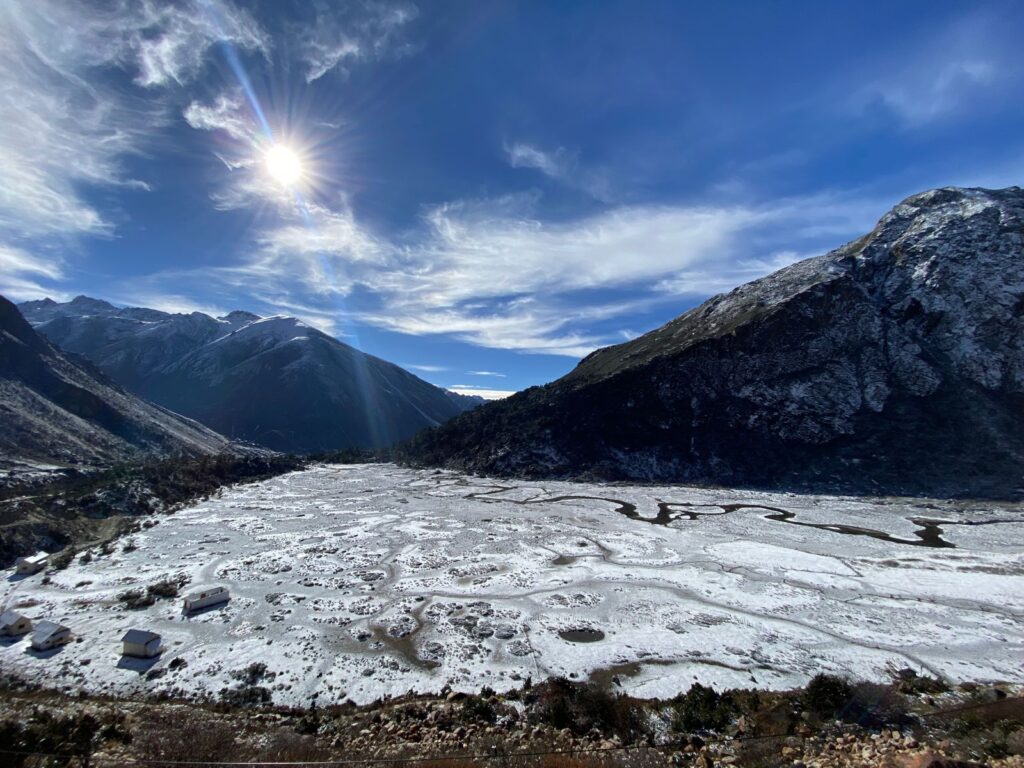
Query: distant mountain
[(274, 381), (892, 364), (465, 402), (59, 410)]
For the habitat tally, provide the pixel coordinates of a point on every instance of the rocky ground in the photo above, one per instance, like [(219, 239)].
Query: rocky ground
[(829, 723), (56, 509)]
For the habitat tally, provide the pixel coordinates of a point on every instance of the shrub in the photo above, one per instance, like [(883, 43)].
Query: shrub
[(43, 731), (479, 708), (253, 674), (702, 709), (175, 736), (62, 559), (582, 707), (136, 599), (875, 706), (825, 695), (165, 588), (245, 696)]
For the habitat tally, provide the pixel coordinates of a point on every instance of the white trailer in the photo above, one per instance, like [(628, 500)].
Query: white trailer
[(195, 601), (26, 566)]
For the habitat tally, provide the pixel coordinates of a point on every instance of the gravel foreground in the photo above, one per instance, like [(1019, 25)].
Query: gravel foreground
[(912, 723)]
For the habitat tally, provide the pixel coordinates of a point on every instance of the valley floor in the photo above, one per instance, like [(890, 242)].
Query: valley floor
[(359, 581)]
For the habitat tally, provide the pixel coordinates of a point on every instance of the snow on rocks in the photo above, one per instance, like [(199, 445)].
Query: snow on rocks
[(362, 581)]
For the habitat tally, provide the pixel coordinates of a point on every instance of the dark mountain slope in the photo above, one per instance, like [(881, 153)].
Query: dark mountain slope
[(274, 381), (291, 387), (892, 364), (61, 411)]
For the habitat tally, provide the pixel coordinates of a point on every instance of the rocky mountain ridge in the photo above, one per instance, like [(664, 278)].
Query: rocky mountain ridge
[(58, 410), (892, 364)]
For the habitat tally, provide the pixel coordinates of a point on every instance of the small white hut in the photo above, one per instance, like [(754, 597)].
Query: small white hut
[(13, 624), (50, 634), (141, 643), (205, 598), (30, 564)]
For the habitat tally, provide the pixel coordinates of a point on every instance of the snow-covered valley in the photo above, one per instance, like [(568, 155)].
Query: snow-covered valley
[(363, 580)]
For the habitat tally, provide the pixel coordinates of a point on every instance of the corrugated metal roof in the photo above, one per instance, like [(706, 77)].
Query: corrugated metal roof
[(9, 617), (45, 629), (139, 636)]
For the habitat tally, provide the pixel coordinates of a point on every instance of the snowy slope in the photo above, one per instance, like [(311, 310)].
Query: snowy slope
[(62, 411), (360, 581)]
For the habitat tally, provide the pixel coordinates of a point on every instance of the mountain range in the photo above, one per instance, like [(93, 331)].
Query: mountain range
[(274, 381), (892, 364), (56, 409)]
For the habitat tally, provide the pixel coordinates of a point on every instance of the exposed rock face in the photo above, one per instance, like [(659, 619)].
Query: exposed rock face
[(892, 364), (58, 410), (273, 381)]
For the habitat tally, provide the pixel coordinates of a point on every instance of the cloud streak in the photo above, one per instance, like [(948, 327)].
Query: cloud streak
[(340, 36), (489, 272), (562, 166), (944, 75)]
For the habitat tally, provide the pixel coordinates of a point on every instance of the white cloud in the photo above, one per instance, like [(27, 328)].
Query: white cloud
[(340, 36), (556, 164), (170, 302), (426, 368), (169, 43), (486, 394), (65, 130), (17, 261), (563, 166), (226, 113), (492, 274), (486, 373), (20, 273)]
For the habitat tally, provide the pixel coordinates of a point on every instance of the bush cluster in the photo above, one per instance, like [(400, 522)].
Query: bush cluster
[(582, 707), (702, 708)]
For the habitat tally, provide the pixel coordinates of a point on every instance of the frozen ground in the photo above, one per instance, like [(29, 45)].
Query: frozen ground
[(358, 581)]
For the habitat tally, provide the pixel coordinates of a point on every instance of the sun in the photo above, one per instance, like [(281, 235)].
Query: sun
[(283, 165)]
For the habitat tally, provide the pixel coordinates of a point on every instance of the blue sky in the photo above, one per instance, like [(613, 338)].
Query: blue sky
[(488, 190)]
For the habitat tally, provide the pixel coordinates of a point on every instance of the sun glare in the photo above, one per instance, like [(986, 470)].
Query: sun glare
[(283, 165)]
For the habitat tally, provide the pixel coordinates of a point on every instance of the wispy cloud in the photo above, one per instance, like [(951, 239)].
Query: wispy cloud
[(20, 272), (64, 130), (225, 113), (944, 75), (563, 166), (489, 272), (486, 373), (340, 36), (426, 368)]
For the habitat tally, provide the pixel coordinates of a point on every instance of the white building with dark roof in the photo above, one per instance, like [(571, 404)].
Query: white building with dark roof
[(141, 643), (13, 624), (50, 634)]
